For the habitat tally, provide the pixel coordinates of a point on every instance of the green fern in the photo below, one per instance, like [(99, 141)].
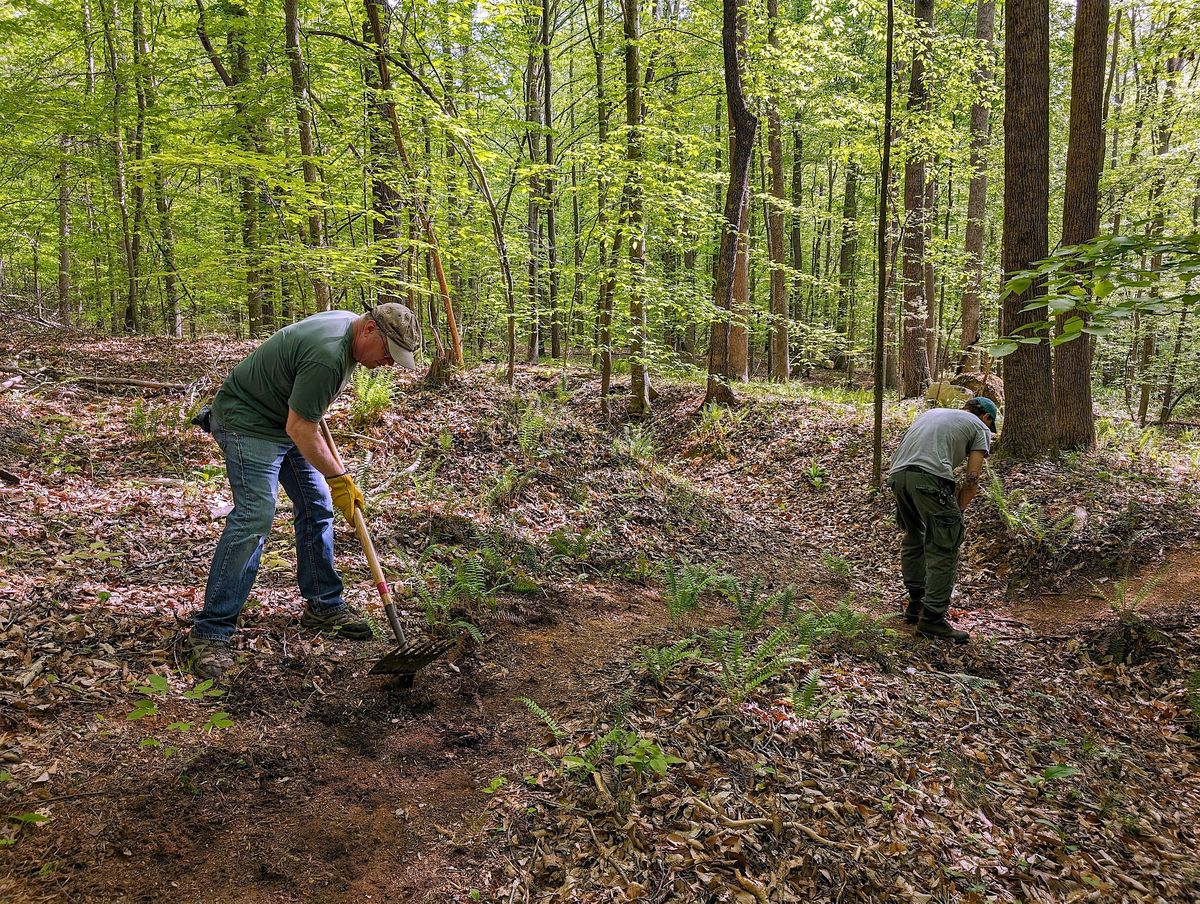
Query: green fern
[(1125, 599), (661, 662), (532, 428), (373, 393), (545, 717), (683, 588), (806, 696), (1192, 688), (740, 669)]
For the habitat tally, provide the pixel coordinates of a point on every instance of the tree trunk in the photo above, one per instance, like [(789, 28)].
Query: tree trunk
[(393, 257), (639, 398), (64, 232), (1029, 427), (737, 197), (110, 15), (308, 149), (914, 354), (985, 17), (1081, 216), (604, 297), (1162, 145), (780, 366), (882, 262), (533, 118), (848, 259), (548, 188)]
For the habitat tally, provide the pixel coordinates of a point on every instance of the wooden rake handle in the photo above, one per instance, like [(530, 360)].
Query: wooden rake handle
[(364, 537)]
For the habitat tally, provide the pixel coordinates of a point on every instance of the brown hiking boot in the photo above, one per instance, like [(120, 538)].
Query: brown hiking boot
[(936, 627), (340, 622), (210, 658)]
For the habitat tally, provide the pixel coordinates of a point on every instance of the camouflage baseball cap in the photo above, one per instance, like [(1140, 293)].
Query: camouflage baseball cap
[(402, 331)]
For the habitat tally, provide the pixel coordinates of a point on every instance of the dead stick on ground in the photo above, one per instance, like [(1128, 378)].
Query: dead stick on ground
[(88, 378), (768, 821)]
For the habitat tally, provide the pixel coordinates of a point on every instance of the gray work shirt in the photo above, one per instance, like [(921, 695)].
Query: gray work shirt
[(939, 441)]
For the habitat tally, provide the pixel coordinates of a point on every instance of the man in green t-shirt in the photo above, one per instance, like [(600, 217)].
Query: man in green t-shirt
[(266, 420)]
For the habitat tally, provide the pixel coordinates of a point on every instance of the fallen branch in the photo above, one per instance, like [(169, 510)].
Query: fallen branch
[(775, 824), (98, 380)]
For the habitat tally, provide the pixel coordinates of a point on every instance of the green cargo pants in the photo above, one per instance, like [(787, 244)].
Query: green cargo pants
[(927, 509)]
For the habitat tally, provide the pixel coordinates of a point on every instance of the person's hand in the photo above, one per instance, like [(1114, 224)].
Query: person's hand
[(346, 495)]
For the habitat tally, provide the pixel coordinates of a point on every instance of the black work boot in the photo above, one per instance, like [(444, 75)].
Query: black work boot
[(912, 614), (936, 626)]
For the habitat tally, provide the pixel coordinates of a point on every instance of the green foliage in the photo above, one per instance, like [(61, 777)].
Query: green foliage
[(741, 666), (506, 490), (533, 428), (843, 625), (816, 475), (373, 393), (753, 603), (143, 420), (1025, 520), (544, 717), (637, 441), (1108, 279), (573, 547), (1191, 687), (684, 585), (806, 698), (838, 566), (1124, 598), (716, 428), (661, 662)]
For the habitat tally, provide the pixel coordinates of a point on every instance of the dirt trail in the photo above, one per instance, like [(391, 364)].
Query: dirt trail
[(352, 796), (1176, 589)]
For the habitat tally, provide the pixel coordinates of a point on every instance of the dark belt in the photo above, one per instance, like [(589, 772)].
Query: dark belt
[(949, 484)]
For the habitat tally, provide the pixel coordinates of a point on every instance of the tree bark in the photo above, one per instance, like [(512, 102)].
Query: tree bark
[(1074, 421), (780, 365), (882, 257), (985, 17), (1029, 427), (737, 197), (308, 150), (848, 261), (549, 189), (639, 398), (64, 232), (110, 17), (914, 354)]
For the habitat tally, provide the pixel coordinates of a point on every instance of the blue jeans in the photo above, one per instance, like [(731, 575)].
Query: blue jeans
[(256, 467)]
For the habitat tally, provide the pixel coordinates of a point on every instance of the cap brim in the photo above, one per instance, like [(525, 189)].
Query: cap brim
[(402, 356)]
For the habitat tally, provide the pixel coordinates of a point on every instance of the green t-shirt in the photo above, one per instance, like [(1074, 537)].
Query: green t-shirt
[(302, 367)]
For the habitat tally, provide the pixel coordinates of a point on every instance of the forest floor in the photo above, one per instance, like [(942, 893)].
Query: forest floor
[(782, 739)]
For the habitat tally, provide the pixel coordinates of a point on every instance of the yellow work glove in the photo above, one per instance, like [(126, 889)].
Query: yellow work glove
[(346, 495)]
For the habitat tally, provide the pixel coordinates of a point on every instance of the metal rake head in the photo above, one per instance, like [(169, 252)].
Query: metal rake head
[(405, 662)]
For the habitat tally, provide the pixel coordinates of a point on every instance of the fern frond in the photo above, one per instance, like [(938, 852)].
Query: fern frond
[(545, 717)]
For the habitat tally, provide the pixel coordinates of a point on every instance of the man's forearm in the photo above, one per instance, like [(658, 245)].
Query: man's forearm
[(966, 493), (308, 439)]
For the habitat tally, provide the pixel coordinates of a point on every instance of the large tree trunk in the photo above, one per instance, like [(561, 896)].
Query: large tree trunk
[(780, 366), (737, 198), (1081, 215), (985, 17), (914, 354), (604, 294), (308, 149), (1029, 423), (639, 398), (882, 258)]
